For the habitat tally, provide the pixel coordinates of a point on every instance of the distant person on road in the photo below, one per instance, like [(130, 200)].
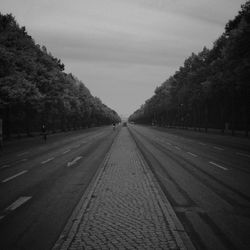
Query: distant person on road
[(113, 126), (44, 132)]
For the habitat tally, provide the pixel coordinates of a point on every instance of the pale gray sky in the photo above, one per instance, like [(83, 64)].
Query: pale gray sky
[(123, 49)]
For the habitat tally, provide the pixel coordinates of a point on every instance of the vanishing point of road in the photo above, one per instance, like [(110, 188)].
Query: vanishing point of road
[(137, 187)]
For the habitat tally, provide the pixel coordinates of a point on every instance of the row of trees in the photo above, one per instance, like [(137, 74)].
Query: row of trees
[(34, 90), (211, 89)]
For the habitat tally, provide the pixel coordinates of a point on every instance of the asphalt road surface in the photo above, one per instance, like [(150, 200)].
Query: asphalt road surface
[(206, 178), (41, 184)]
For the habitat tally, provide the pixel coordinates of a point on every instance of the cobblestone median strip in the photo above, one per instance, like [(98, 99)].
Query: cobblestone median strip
[(124, 208)]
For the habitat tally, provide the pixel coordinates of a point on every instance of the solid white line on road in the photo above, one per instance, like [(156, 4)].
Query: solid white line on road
[(20, 201), (194, 155), (50, 159), (74, 161), (65, 152), (218, 148), (14, 176), (217, 165), (203, 144), (24, 153), (177, 148), (242, 154)]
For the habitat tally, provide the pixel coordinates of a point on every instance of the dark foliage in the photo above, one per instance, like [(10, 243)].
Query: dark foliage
[(34, 90), (211, 89)]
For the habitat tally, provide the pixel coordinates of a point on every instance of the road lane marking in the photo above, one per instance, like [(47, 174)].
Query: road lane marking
[(20, 201), (24, 153), (177, 147), (203, 144), (14, 176), (4, 166), (194, 155), (22, 160), (77, 145), (242, 154), (217, 165), (50, 159), (74, 161), (218, 148), (65, 152)]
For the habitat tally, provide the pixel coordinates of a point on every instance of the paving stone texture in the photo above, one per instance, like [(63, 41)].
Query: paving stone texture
[(124, 211)]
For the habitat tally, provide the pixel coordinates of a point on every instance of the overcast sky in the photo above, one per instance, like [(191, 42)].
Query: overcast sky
[(123, 49)]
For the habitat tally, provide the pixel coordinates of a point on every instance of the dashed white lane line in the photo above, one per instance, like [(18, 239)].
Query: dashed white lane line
[(242, 154), (8, 165), (177, 148), (194, 155), (65, 152), (22, 160), (74, 161), (218, 148), (50, 159), (20, 201), (217, 165), (14, 176), (203, 144), (4, 166), (24, 153)]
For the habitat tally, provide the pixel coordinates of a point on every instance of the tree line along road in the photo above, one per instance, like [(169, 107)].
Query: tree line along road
[(205, 179)]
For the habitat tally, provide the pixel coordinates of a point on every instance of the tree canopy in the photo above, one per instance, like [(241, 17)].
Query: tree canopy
[(211, 89), (35, 90)]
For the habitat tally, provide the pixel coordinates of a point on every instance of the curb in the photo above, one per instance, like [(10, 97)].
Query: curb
[(182, 239), (64, 240)]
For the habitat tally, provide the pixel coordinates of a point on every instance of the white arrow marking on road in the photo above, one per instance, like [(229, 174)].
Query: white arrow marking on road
[(50, 159), (217, 165), (20, 201), (14, 176), (74, 161)]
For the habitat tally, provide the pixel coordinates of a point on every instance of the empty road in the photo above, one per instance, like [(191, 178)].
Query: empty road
[(205, 178)]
